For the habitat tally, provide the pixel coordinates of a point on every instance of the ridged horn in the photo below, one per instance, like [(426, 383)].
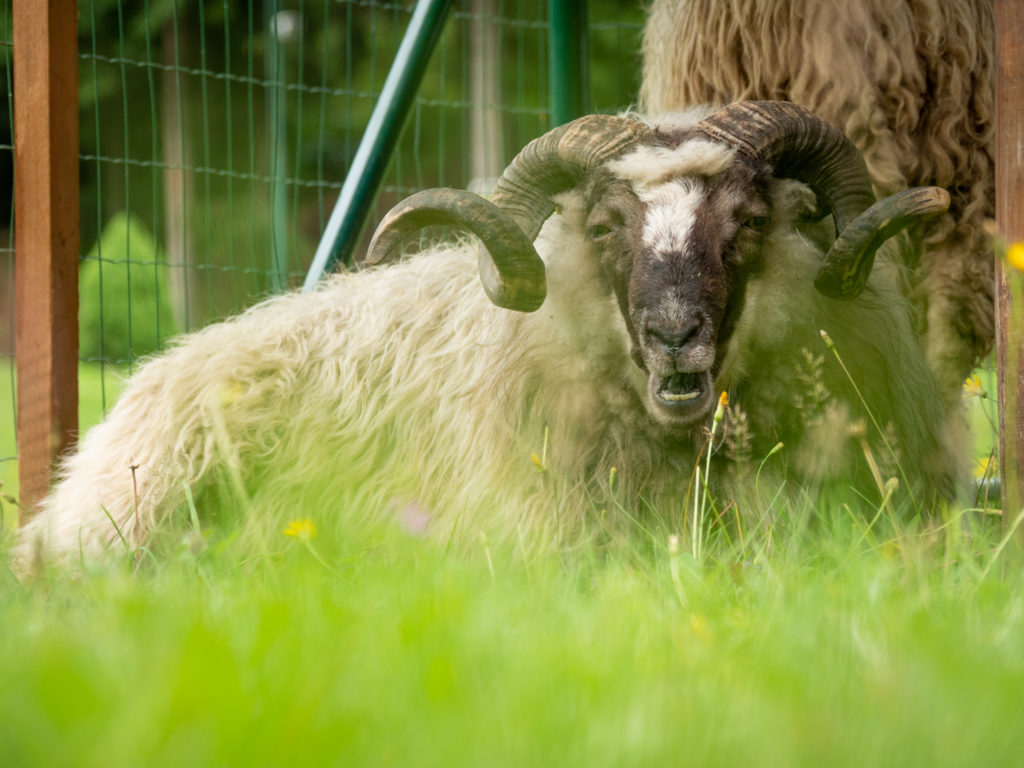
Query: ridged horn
[(557, 161), (798, 144), (848, 262), (510, 269)]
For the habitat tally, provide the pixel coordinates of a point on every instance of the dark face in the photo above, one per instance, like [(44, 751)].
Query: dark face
[(678, 254)]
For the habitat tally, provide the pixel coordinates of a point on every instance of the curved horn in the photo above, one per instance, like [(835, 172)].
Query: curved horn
[(848, 262), (512, 274), (798, 144), (511, 270), (557, 161)]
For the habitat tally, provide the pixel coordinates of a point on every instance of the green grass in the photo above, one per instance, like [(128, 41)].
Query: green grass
[(832, 645), (822, 640), (982, 417)]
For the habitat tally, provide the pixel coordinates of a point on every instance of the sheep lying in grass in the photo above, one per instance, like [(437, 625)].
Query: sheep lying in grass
[(681, 263)]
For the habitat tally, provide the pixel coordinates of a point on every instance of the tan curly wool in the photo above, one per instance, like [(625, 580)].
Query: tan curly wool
[(909, 81)]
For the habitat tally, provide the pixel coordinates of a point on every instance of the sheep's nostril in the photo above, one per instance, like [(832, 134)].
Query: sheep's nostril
[(673, 337)]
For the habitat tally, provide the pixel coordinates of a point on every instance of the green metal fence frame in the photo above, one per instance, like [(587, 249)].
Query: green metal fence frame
[(569, 96), (359, 191)]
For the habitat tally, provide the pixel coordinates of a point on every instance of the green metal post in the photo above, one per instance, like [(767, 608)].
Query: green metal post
[(277, 123), (567, 52), (359, 191)]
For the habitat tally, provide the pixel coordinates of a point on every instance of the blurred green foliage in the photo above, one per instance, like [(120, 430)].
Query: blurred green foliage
[(264, 128), (124, 310)]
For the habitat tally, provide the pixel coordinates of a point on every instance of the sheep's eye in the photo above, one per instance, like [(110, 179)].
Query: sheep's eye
[(598, 232), (757, 223)]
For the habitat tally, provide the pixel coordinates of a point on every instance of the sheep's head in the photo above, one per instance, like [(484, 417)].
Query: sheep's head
[(676, 229), (677, 219)]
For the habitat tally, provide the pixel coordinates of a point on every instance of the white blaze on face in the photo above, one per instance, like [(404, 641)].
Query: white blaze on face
[(671, 215), (669, 222), (671, 181)]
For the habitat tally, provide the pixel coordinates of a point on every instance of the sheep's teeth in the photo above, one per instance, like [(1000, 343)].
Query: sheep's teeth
[(674, 398), (680, 388)]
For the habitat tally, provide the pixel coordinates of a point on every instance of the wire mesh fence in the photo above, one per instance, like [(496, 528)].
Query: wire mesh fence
[(215, 136)]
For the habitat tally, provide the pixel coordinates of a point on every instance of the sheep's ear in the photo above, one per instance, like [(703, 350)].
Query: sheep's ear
[(794, 201), (815, 213), (848, 263)]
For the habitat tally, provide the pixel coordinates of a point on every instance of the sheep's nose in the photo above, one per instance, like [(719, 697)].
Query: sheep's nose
[(673, 337)]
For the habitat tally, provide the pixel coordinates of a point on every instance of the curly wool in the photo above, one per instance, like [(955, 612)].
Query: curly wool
[(909, 81)]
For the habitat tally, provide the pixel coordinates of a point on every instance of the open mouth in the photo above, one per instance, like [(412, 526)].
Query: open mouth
[(680, 388), (682, 397)]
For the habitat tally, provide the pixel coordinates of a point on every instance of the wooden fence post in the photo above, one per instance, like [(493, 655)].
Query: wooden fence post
[(1009, 155), (46, 235)]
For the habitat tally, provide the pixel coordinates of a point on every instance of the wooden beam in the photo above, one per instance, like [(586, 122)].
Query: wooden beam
[(46, 236), (1009, 156)]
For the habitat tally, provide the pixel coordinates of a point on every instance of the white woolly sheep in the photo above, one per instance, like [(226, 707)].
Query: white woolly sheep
[(910, 83), (681, 264)]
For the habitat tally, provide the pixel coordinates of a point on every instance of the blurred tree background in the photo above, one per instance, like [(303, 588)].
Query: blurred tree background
[(225, 128)]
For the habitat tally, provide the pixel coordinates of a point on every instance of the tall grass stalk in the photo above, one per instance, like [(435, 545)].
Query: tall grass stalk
[(1007, 537), (701, 492), (878, 428)]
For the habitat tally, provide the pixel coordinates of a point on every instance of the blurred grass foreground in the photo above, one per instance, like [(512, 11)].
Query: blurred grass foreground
[(825, 641), (823, 638)]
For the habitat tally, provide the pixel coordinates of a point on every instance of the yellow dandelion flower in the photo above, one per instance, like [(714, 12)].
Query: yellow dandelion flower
[(1015, 255), (700, 627), (537, 462), (983, 467), (304, 529), (723, 402), (973, 387)]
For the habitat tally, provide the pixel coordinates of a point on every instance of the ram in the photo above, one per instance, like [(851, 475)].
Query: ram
[(910, 83), (681, 263)]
